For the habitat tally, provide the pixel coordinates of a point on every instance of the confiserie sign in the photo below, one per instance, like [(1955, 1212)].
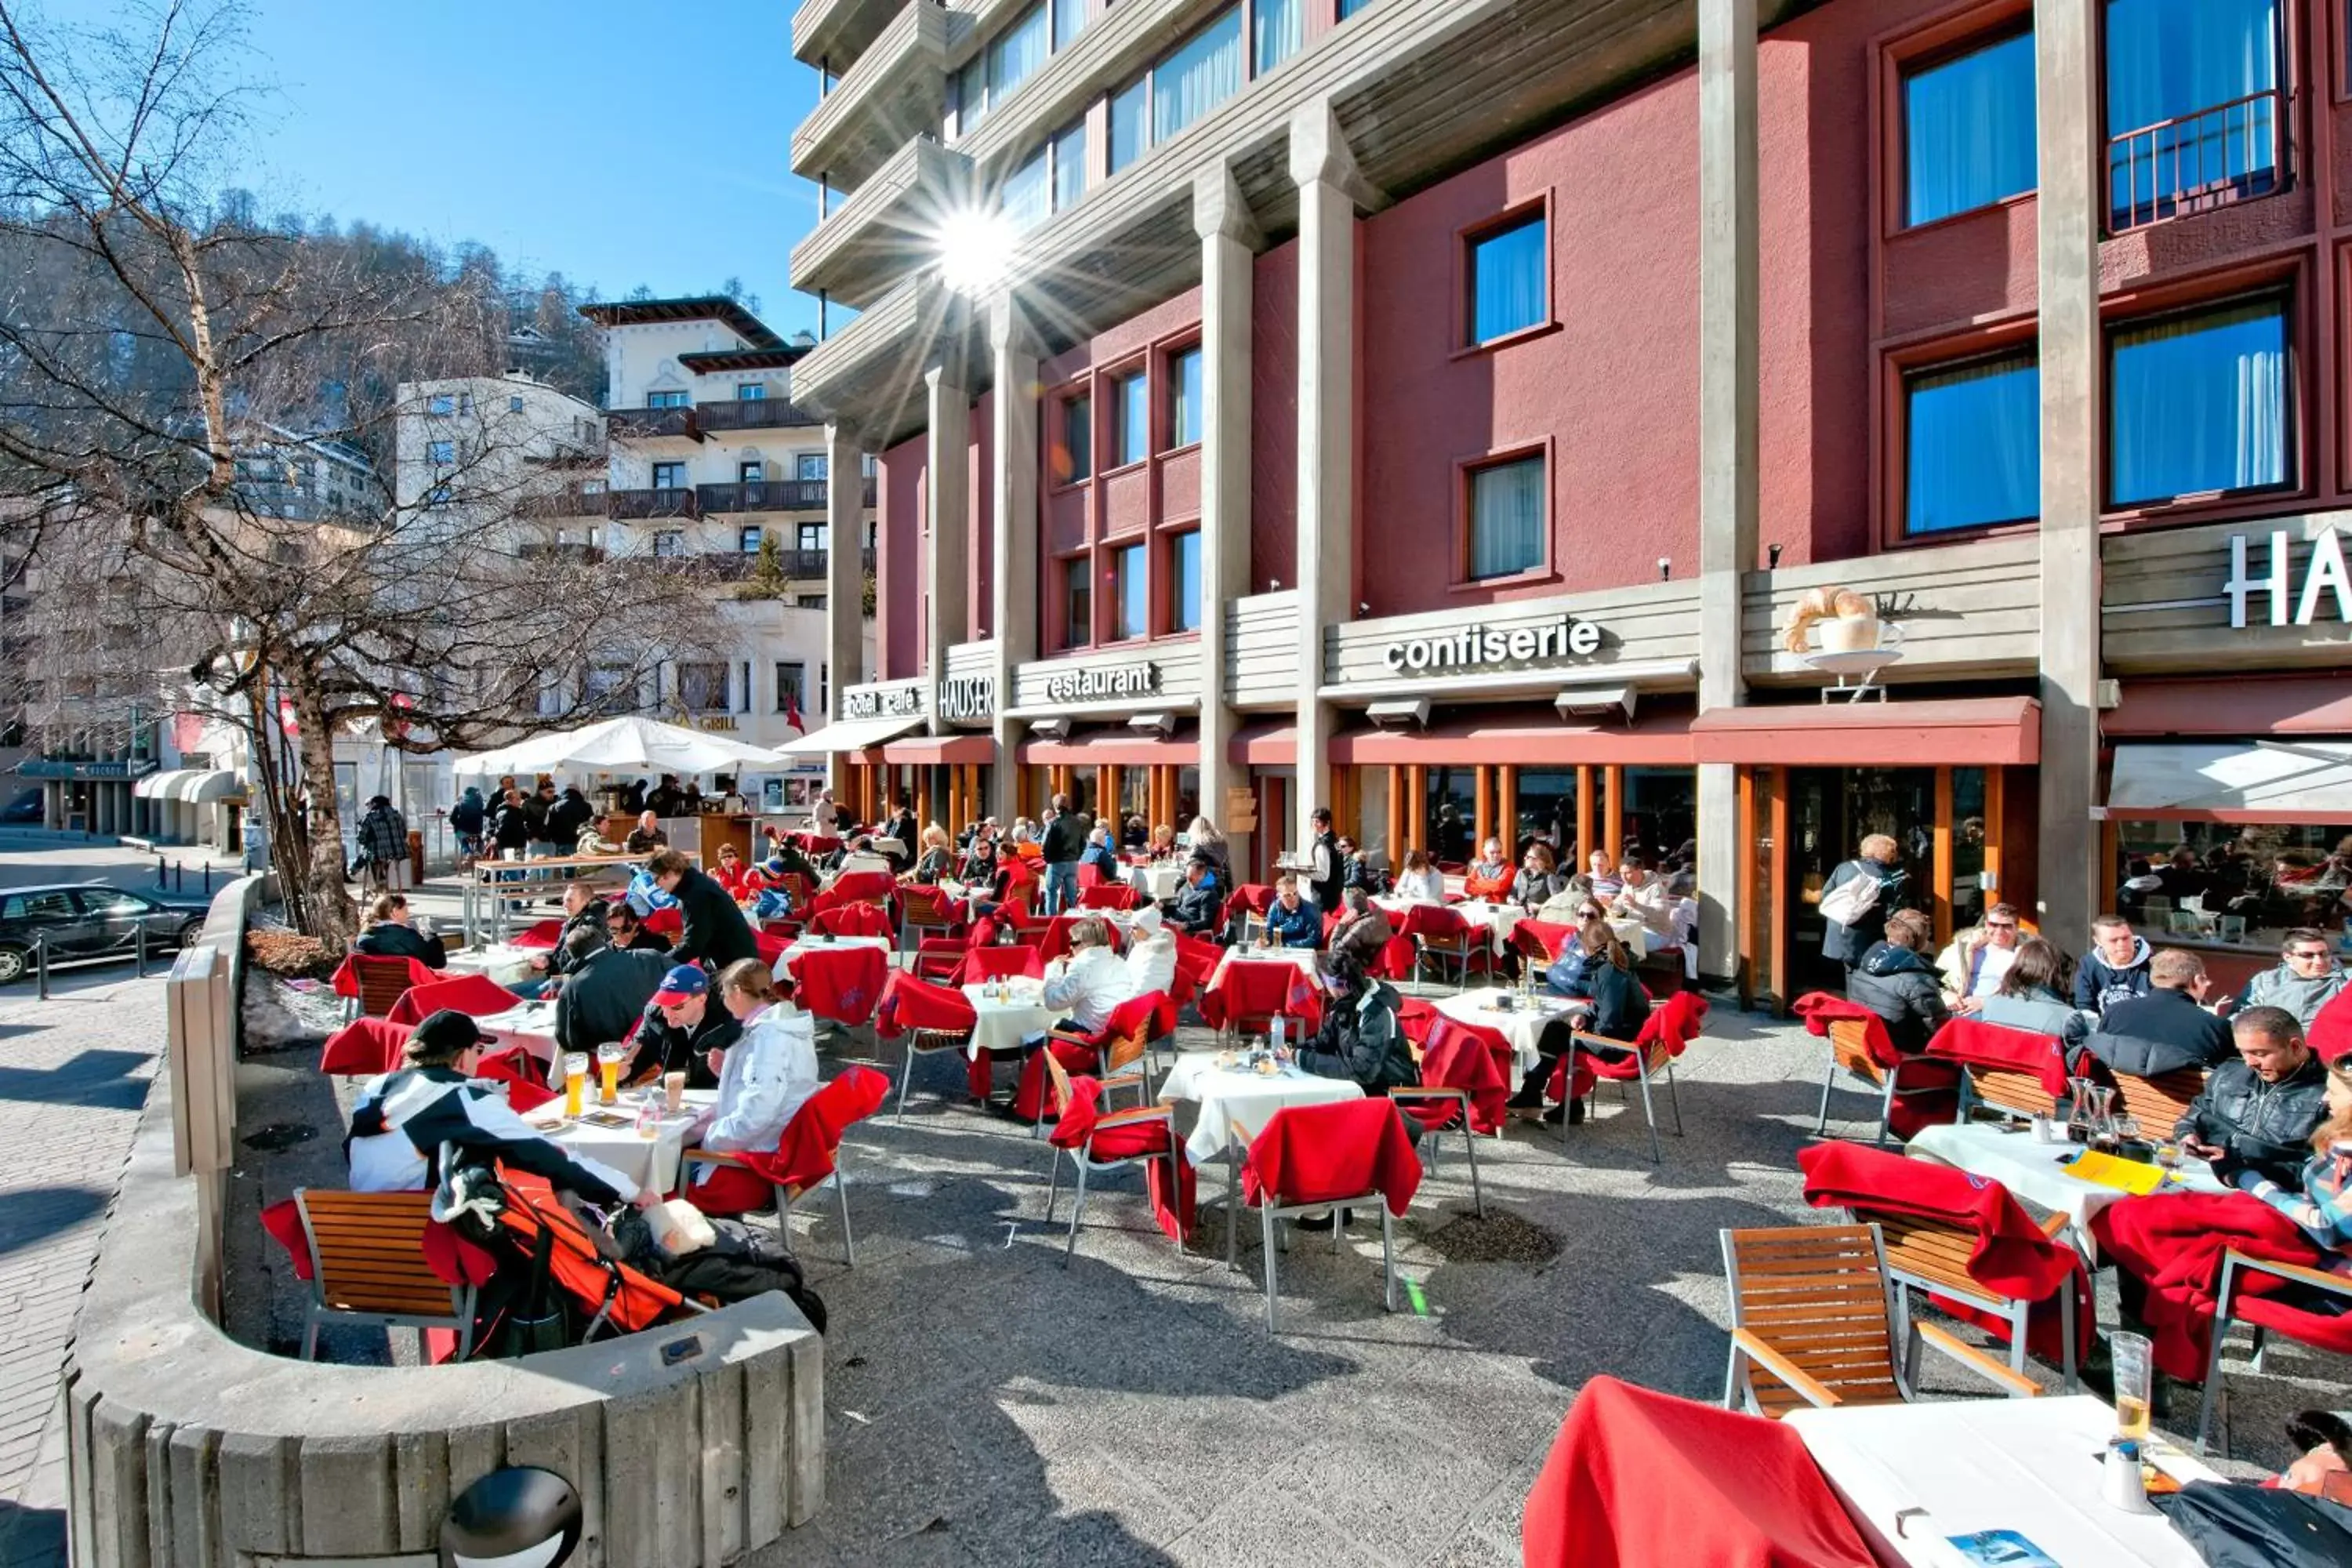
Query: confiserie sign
[(1476, 646)]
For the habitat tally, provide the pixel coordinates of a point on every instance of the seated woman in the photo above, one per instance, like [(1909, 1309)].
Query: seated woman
[(1489, 876), (1164, 842), (730, 873), (1618, 1008), (1895, 981), (389, 934), (1538, 878), (1099, 853), (933, 863), (2028, 997), (1420, 881), (1134, 836), (763, 1081)]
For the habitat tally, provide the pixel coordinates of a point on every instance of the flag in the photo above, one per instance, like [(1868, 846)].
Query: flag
[(792, 712)]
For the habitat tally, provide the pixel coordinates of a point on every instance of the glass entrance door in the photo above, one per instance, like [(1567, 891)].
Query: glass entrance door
[(1831, 812)]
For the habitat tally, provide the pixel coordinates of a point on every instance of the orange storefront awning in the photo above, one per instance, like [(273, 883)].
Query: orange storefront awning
[(1265, 746), (1975, 732), (1116, 749), (1664, 741), (934, 750)]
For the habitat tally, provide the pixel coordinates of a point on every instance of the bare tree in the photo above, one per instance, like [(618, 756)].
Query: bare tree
[(179, 389)]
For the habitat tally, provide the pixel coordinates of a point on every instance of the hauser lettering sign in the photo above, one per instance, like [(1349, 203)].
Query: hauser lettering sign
[(2325, 580), (1479, 646), (1090, 685), (968, 698), (875, 702)]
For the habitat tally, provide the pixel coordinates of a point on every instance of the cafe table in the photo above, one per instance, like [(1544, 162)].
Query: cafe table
[(501, 963), (530, 1025), (1522, 1024), (1156, 882), (817, 943), (1007, 1024), (2031, 1171), (1235, 1102), (608, 1134), (1912, 1475)]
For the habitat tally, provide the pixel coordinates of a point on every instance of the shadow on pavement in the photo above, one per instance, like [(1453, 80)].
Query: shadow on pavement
[(101, 1079)]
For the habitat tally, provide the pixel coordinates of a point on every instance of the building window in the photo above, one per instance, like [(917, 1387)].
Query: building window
[(1276, 29), (1508, 292), (809, 466), (1014, 53), (789, 678), (750, 391), (1197, 77), (670, 541), (2198, 402), (865, 464), (1130, 588), (1350, 7), (438, 496), (669, 476), (668, 400), (968, 97), (2192, 104), (441, 451), (1069, 21), (465, 403), (1506, 517), (1074, 460), (1184, 582), (751, 473), (1070, 167), (811, 602), (811, 536), (514, 404), (1969, 130), (1129, 128), (702, 688), (747, 540), (1130, 415), (442, 404), (1972, 444), (1184, 397), (1028, 198), (1077, 601), (609, 688)]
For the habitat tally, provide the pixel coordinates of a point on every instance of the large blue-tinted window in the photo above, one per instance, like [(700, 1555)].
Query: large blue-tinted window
[(1130, 418), (1507, 281), (1973, 441), (2199, 402), (1015, 55), (1197, 77), (1277, 28), (1130, 131), (1028, 198), (1506, 517), (2192, 114), (1184, 397), (1070, 167), (1130, 595), (1967, 130), (1350, 7), (1184, 582)]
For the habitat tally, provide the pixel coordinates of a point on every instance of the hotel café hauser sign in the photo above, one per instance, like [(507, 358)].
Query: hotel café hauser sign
[(2265, 589), (901, 701)]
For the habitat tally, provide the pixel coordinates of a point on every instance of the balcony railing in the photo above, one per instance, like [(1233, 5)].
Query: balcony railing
[(765, 495), (632, 505), (571, 500), (2226, 153), (750, 414), (647, 423)]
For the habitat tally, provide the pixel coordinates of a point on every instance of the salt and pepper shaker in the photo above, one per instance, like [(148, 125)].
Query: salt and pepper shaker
[(2125, 1488)]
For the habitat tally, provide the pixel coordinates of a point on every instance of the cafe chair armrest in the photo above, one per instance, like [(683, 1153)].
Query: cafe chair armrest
[(2319, 1278), (1073, 1037), (1122, 1080), (1586, 1037), (1943, 1340), (1763, 1355), (1430, 1092), (710, 1157), (2055, 1226), (1136, 1117)]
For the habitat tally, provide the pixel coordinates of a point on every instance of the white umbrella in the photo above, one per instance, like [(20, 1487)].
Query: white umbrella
[(629, 745)]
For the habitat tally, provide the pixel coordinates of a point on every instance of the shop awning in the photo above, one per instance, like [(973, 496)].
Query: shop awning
[(1974, 731), (191, 787), (1663, 741), (1119, 748), (2288, 705), (1265, 746), (847, 735), (2255, 781), (940, 749)]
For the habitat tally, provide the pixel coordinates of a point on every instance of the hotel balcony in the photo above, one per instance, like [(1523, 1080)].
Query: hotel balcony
[(836, 32), (748, 414), (889, 228), (653, 424), (896, 91), (763, 495), (630, 506)]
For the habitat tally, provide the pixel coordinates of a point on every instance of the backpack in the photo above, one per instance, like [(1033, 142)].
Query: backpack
[(739, 1264), (1846, 903)]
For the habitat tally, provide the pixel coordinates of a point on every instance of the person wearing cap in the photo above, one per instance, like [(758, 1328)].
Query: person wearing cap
[(716, 932), (405, 1118), (606, 990), (681, 1027), (1151, 953)]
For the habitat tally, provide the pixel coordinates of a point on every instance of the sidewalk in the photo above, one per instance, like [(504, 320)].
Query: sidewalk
[(73, 1085)]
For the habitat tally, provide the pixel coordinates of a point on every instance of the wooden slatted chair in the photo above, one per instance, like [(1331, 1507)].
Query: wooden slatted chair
[(926, 911), (367, 1266), (2158, 1103), (383, 982), (1850, 1052), (1932, 1257), (1812, 1322), (2020, 1094)]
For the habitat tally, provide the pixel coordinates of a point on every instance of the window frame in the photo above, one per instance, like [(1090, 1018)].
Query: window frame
[(2292, 70), (1065, 401), (2006, 24), (1127, 373), (797, 687), (678, 469), (2286, 292), (1171, 385), (1536, 209), (2009, 345), (1171, 581), (1074, 635), (442, 453), (1135, 548), (1467, 469)]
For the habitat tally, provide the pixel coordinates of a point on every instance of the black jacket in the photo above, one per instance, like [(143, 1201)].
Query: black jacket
[(510, 826), (1902, 988), (1619, 1005), (390, 939), (604, 995), (2164, 1030), (1199, 907), (633, 798), (468, 815), (664, 1048), (2262, 1127), (592, 918), (716, 932), (1848, 945), (1063, 841), (568, 815), (1361, 1038)]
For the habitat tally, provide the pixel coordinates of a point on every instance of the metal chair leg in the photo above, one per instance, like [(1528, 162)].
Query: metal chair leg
[(1388, 1258), (1233, 1207), (1470, 1143), (906, 1077), (1828, 1081), (1078, 1212), (1053, 1182), (841, 1195), (1266, 1214), (1887, 1104), (1675, 1096), (1657, 1155), (2213, 1359)]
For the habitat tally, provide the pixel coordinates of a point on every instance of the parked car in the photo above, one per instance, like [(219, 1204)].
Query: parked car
[(24, 809), (87, 920)]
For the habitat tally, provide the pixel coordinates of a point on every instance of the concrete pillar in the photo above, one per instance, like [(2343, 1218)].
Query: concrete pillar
[(1013, 585), (845, 573), (2065, 52), (1727, 396), (947, 576), (1329, 190), (1229, 239)]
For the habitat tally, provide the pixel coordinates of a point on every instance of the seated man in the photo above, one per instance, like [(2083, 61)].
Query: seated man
[(646, 836), (1489, 876), (1363, 929), (2307, 978), (680, 1028), (404, 1117), (390, 934), (1200, 905), (2323, 1206), (1895, 981), (764, 1079), (605, 991), (624, 927), (1099, 853), (2258, 1113), (2167, 1028), (1292, 920), (583, 912)]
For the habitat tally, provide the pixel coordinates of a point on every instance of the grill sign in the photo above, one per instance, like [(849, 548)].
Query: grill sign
[(1119, 680), (1478, 645)]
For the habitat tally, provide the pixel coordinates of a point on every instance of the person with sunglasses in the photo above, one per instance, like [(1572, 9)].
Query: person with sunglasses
[(1974, 964), (2308, 977)]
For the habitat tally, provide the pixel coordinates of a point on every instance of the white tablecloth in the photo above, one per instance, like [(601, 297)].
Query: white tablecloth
[(791, 955), (2030, 1171), (530, 1025), (1003, 1025), (1156, 882), (2033, 1466), (648, 1161), (1233, 1098), (1523, 1026), (1494, 920), (503, 963), (1299, 957)]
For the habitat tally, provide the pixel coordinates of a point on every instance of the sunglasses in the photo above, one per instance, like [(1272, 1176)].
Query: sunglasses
[(2309, 952)]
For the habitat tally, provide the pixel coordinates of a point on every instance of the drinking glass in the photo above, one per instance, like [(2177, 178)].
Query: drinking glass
[(2133, 1369), (576, 1080), (609, 1057), (673, 1092), (2168, 1158)]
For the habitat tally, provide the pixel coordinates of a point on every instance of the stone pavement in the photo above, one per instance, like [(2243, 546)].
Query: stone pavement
[(73, 1079)]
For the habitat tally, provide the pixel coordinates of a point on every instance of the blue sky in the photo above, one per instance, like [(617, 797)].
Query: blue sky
[(617, 143)]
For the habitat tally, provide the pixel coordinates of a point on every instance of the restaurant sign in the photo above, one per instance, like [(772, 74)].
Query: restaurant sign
[(1116, 680), (1479, 646), (2324, 577), (879, 701), (968, 698)]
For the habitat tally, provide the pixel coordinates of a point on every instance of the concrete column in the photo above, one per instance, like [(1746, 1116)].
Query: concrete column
[(947, 576), (1013, 585), (845, 585), (1329, 190), (1727, 396), (2065, 52), (1229, 239)]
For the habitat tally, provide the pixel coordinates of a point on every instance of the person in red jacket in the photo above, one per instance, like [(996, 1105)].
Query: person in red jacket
[(1489, 876), (731, 874)]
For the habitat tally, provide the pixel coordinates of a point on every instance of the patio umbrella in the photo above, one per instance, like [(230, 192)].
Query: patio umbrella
[(627, 745)]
